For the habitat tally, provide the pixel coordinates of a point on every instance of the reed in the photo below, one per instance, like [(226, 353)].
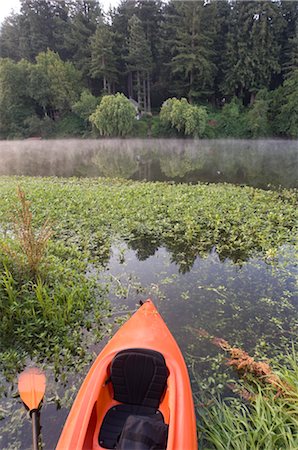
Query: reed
[(32, 244)]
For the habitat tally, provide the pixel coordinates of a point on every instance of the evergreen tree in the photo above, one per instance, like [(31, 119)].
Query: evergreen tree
[(10, 38), (191, 64), (103, 60), (85, 16), (139, 61), (252, 52), (36, 28), (289, 49)]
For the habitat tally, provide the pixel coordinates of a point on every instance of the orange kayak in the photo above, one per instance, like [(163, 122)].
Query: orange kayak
[(137, 394)]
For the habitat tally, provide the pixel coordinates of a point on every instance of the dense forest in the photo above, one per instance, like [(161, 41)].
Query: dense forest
[(236, 60)]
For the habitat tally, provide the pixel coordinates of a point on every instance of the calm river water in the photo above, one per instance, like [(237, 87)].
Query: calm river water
[(255, 162), (253, 304)]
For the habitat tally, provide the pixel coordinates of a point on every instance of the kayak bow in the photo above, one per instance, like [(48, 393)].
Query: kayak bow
[(139, 382)]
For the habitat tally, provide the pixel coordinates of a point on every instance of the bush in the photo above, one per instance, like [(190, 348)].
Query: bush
[(69, 125), (114, 116), (233, 120), (257, 117), (86, 105)]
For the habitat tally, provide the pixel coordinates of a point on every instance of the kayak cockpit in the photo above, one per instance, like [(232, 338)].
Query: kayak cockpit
[(130, 389), (138, 378)]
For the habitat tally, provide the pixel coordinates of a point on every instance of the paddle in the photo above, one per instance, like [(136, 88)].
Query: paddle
[(32, 386)]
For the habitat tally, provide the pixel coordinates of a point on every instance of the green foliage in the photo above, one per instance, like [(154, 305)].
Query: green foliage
[(69, 125), (185, 118), (15, 103), (233, 121), (287, 106), (139, 55), (103, 60), (191, 50), (267, 422), (54, 83), (258, 115), (252, 48), (34, 126), (114, 116), (86, 105)]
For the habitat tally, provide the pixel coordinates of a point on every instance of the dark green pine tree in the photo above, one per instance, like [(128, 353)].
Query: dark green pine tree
[(192, 66), (85, 16), (289, 50), (119, 22), (139, 61), (36, 28), (103, 59), (10, 38), (62, 27), (253, 48)]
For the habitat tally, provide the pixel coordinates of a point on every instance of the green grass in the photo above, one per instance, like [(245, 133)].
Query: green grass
[(269, 422)]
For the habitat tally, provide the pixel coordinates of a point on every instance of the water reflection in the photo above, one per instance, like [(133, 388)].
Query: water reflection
[(254, 162), (253, 305)]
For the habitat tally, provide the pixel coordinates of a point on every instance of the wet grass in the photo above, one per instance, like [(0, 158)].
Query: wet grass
[(263, 421)]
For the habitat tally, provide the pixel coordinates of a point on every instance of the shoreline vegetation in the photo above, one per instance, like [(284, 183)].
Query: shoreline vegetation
[(227, 69), (52, 229)]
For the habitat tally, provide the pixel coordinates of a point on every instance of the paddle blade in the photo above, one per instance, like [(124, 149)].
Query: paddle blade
[(32, 386)]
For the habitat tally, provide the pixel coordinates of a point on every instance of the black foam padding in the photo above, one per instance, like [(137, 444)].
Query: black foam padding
[(115, 419), (139, 377)]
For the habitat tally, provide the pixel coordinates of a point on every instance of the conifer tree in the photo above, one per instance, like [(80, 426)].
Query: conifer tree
[(253, 47), (103, 60), (139, 61), (192, 51), (84, 20)]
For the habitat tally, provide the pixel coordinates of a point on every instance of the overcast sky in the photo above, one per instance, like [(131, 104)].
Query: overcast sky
[(6, 6)]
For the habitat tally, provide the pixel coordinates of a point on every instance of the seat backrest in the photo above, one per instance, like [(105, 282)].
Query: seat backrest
[(139, 377)]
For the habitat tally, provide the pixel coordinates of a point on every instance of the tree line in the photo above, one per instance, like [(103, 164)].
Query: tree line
[(238, 59)]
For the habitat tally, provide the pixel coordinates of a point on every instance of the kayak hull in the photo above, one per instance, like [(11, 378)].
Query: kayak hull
[(147, 330)]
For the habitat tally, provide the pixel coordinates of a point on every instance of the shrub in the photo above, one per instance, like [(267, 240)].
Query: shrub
[(86, 105), (114, 116), (257, 117), (233, 120)]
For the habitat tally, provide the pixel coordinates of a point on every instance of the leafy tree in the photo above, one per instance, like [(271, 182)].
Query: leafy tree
[(103, 61), (185, 118), (114, 116), (86, 105), (54, 84), (15, 102)]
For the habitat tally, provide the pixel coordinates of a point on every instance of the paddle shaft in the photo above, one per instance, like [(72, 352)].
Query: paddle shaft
[(35, 428)]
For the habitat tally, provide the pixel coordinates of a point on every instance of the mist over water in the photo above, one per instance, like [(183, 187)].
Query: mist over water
[(258, 163)]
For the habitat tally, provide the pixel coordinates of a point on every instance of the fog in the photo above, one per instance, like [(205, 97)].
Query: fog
[(254, 162)]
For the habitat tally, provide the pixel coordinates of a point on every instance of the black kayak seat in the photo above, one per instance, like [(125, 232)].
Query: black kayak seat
[(139, 378)]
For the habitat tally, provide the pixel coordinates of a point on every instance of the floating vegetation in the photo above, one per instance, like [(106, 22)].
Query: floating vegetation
[(218, 257)]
